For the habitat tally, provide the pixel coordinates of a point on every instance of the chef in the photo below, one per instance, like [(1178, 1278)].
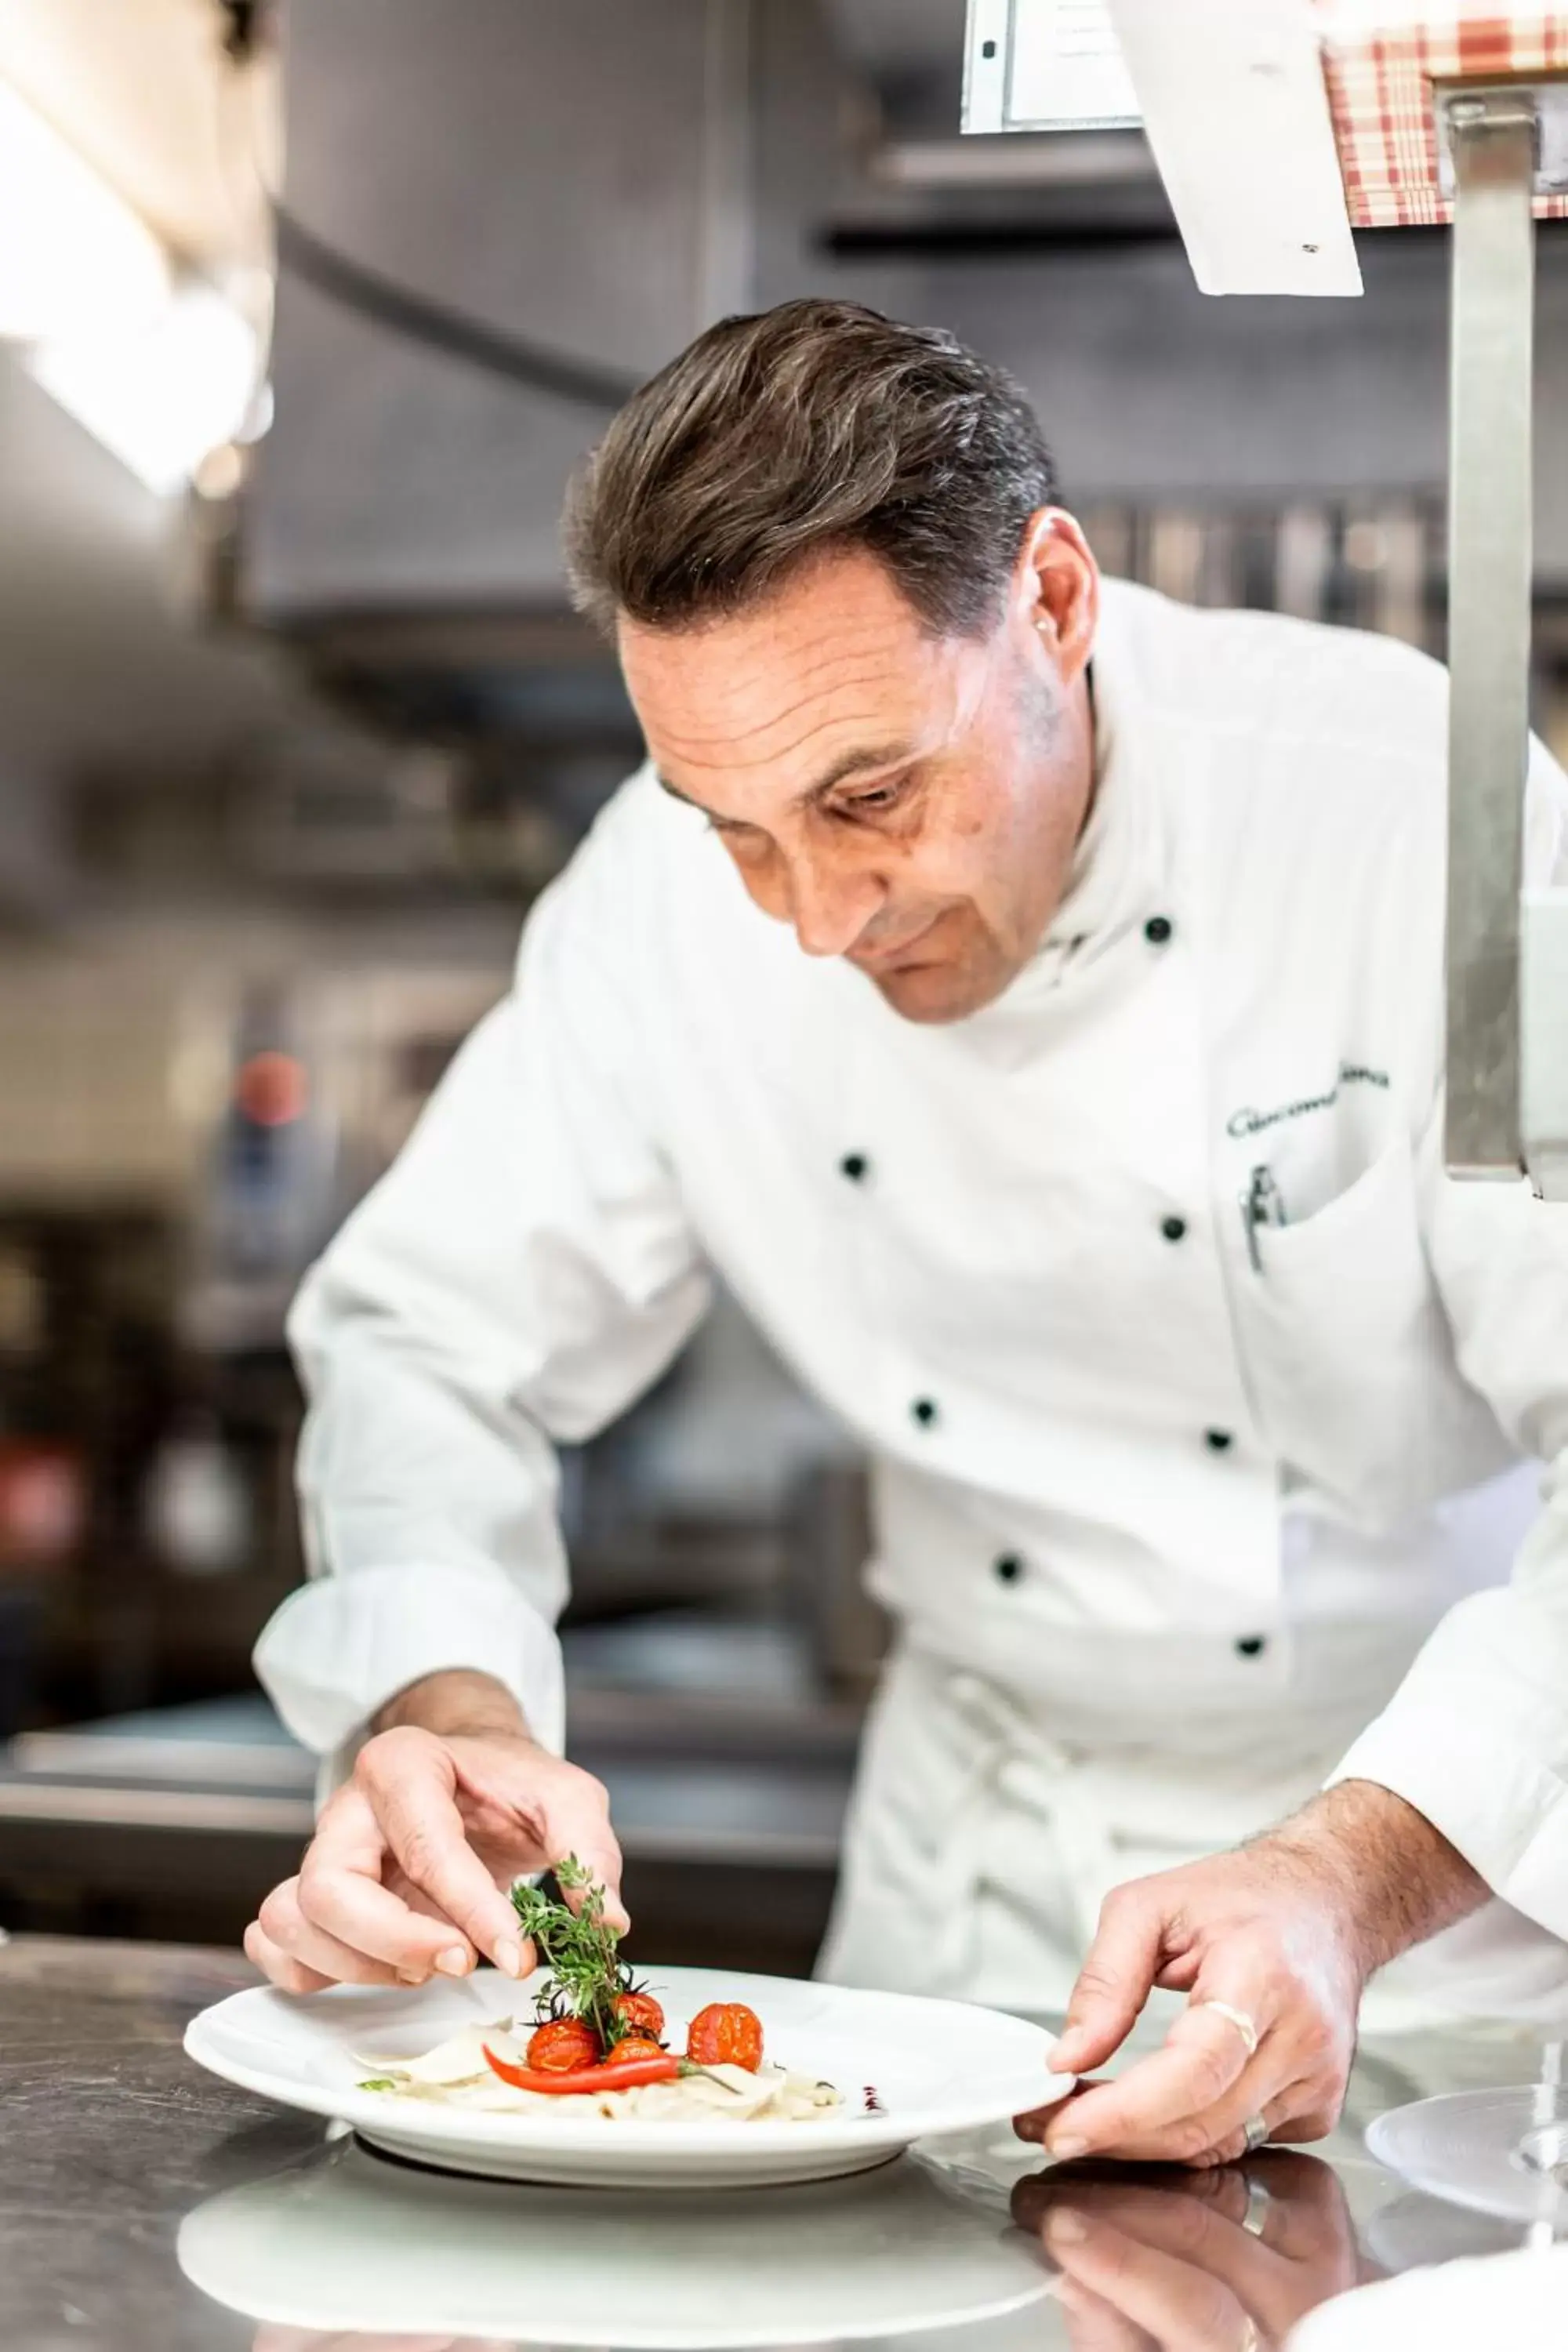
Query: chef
[(1026, 994)]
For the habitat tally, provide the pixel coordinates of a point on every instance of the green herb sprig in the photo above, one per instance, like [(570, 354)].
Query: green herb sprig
[(581, 1953)]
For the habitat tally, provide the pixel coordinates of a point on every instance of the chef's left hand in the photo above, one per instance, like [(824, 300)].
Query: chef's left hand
[(1284, 1933)]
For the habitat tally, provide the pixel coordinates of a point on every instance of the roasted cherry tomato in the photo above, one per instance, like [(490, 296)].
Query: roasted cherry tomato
[(726, 2034), (632, 2050), (562, 2046), (641, 2012)]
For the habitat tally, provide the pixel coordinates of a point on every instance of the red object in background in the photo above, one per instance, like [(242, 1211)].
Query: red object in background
[(272, 1089), (43, 1502), (1380, 63)]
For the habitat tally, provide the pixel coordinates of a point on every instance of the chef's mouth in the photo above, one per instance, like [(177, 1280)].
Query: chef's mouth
[(900, 958)]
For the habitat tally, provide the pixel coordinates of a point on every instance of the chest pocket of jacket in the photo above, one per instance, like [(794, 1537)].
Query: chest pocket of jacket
[(1350, 1357)]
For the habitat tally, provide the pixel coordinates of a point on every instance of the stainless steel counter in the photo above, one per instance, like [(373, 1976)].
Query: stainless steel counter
[(126, 2175)]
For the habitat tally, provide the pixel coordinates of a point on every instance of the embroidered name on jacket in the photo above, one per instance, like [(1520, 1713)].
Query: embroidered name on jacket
[(1351, 1073)]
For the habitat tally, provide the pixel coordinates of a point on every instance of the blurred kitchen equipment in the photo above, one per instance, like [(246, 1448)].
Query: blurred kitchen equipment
[(197, 1504), (43, 1502), (1274, 127)]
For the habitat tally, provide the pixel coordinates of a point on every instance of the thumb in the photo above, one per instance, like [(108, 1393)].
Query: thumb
[(1115, 1979)]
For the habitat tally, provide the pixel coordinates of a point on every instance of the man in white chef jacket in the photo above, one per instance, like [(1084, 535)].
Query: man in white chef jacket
[(1025, 994)]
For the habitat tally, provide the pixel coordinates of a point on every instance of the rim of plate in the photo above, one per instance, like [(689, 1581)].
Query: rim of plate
[(1516, 2197), (417, 2120)]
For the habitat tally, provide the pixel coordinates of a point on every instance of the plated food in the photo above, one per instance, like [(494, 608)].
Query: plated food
[(903, 2068), (597, 2042)]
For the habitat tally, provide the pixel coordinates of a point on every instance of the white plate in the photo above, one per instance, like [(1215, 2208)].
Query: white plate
[(936, 2067), (1464, 2146), (350, 2245)]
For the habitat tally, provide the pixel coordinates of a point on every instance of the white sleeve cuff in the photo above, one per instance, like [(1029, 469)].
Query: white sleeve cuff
[(1479, 1750), (341, 1647)]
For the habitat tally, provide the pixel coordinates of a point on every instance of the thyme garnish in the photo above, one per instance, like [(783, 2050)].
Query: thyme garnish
[(588, 1975)]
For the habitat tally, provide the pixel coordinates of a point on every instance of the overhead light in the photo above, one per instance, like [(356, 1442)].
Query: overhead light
[(157, 369), (162, 394), (72, 252)]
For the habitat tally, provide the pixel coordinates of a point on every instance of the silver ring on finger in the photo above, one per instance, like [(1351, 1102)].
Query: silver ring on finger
[(1256, 2129), (1256, 2218)]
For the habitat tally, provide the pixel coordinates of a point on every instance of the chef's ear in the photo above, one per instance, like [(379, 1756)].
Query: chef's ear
[(1055, 590)]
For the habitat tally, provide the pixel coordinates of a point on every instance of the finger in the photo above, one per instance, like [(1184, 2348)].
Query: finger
[(1096, 2326), (1203, 2058), (1307, 2196), (590, 1837), (1277, 2272), (1314, 2122), (1185, 2309), (1040, 2120), (1222, 2134), (340, 1892), (409, 1779), (283, 1922), (1166, 2207), (280, 1967), (1115, 1979), (568, 1816), (423, 1907), (1199, 2226), (1227, 2131)]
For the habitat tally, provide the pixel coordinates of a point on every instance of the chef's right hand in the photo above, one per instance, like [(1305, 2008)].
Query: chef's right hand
[(408, 1871)]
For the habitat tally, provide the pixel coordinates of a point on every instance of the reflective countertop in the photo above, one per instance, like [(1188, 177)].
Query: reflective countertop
[(143, 2203)]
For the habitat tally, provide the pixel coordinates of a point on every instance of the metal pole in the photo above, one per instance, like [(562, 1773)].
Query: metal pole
[(1493, 138)]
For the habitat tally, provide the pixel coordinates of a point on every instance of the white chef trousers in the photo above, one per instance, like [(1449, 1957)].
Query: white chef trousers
[(979, 1850)]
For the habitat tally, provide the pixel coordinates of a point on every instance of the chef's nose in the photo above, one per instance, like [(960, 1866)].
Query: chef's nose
[(830, 904)]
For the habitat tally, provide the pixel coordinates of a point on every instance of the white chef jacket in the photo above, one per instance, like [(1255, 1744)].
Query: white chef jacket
[(1152, 1474)]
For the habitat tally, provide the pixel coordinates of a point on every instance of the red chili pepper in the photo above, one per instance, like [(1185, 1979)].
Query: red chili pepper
[(630, 2075)]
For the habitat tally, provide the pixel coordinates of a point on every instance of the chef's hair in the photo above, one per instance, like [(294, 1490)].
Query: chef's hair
[(812, 426)]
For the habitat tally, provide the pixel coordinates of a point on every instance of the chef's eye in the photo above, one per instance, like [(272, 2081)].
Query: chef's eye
[(877, 801)]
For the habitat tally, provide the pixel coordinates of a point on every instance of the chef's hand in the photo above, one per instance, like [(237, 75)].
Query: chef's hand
[(1185, 2261), (1284, 1933), (450, 1800)]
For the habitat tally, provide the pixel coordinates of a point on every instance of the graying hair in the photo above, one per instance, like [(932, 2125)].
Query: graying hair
[(816, 425)]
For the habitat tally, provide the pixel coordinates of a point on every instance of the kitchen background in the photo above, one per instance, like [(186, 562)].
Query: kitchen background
[(307, 310)]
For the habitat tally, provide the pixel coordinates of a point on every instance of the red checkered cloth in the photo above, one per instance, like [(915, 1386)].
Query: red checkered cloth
[(1380, 58)]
